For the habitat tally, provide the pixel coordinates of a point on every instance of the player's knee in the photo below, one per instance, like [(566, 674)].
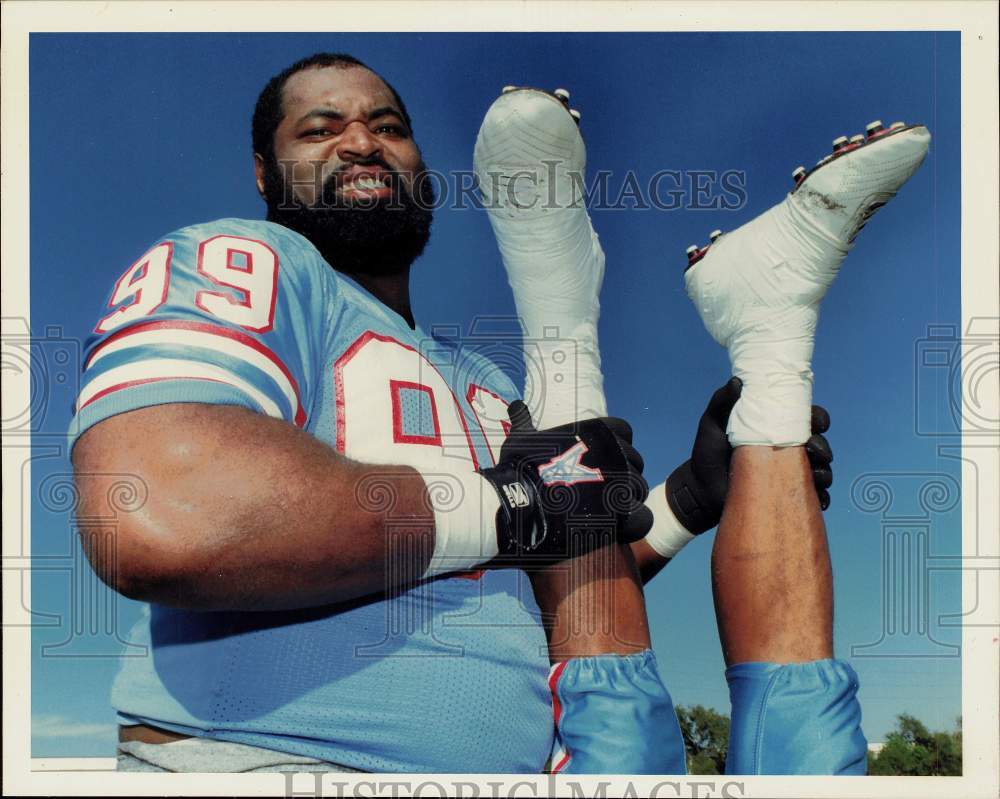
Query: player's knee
[(795, 718), (615, 716)]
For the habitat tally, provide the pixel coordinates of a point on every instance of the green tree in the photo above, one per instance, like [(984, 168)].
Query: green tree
[(913, 750), (910, 750), (706, 739)]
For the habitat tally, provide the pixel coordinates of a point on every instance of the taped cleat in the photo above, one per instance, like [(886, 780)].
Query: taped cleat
[(790, 255), (798, 174), (839, 143), (530, 160), (692, 251), (575, 114), (508, 89), (825, 159), (897, 125), (714, 235), (873, 129), (857, 139), (562, 94)]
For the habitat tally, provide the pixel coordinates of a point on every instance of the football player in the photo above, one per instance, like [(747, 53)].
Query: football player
[(325, 483), (334, 511)]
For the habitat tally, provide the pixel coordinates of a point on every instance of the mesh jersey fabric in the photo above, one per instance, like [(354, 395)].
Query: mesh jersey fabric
[(448, 676)]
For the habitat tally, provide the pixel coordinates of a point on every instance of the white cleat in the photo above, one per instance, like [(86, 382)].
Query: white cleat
[(840, 197), (758, 288), (530, 160), (527, 141)]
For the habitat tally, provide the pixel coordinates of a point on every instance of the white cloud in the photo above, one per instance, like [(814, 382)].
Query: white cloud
[(52, 726)]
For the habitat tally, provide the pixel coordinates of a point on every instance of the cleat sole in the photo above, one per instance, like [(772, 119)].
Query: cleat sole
[(879, 136)]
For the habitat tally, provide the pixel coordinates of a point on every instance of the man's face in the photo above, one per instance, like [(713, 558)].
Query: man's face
[(347, 172), (342, 122)]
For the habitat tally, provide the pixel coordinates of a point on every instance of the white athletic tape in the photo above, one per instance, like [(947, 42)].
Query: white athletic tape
[(667, 535)]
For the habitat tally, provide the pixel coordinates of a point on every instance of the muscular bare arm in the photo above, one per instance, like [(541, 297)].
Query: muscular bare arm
[(244, 512)]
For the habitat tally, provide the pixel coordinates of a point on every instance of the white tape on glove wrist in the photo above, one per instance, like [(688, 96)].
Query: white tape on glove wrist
[(465, 509), (667, 535)]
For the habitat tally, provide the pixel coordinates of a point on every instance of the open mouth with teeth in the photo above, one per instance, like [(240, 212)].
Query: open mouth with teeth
[(365, 183)]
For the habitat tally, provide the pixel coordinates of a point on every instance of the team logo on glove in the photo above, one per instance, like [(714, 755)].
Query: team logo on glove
[(554, 506), (568, 469)]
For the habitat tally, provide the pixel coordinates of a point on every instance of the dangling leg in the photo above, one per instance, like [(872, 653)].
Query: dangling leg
[(613, 713), (758, 289)]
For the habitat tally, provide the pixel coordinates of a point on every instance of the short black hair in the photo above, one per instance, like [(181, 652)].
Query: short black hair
[(269, 110)]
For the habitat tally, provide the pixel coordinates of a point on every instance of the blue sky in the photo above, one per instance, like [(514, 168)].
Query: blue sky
[(133, 135)]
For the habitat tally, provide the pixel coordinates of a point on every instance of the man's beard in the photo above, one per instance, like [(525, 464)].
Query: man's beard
[(367, 236)]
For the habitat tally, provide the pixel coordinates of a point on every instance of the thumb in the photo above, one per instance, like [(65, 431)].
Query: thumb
[(520, 418), (723, 400)]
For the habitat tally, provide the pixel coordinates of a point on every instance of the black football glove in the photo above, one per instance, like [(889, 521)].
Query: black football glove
[(567, 490), (696, 490)]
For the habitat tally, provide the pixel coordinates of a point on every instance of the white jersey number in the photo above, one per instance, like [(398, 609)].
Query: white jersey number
[(491, 413), (249, 269), (376, 380), (141, 290), (246, 267)]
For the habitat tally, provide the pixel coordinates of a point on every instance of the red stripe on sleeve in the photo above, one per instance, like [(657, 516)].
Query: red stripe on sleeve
[(213, 330)]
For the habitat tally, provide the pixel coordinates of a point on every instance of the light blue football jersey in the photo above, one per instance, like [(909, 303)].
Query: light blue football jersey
[(449, 676)]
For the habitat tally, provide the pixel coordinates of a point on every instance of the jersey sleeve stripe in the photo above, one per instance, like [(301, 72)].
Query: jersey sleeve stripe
[(143, 382), (211, 337), (157, 369)]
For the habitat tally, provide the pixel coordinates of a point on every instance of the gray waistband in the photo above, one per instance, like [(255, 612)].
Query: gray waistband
[(206, 755)]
